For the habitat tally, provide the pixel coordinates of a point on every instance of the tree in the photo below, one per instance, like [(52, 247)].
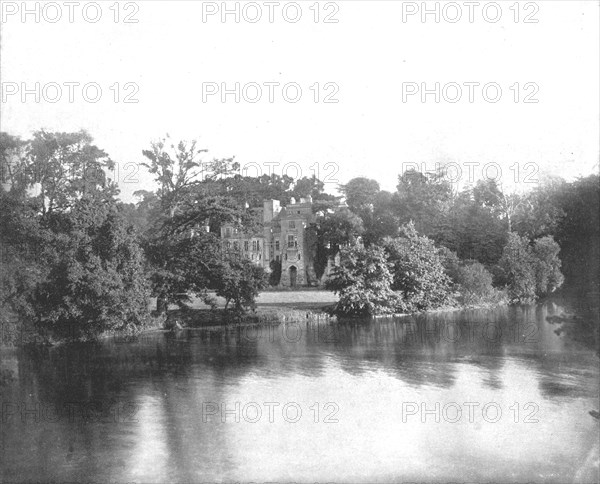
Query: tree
[(24, 243), (424, 198), (473, 228), (182, 255), (363, 282), (178, 249), (578, 233), (239, 280), (309, 187), (360, 195), (384, 223), (333, 230), (13, 167), (70, 262), (517, 264), (541, 213), (177, 168), (67, 167), (418, 271), (474, 282), (548, 277), (96, 283)]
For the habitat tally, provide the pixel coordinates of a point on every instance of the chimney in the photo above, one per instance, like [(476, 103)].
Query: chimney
[(270, 209)]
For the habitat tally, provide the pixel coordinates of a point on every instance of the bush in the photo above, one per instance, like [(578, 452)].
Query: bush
[(363, 282), (474, 283), (418, 272)]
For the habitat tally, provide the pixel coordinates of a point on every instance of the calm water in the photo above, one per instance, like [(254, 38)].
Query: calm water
[(476, 395)]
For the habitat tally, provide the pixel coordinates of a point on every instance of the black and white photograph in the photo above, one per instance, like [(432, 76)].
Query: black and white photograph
[(311, 242)]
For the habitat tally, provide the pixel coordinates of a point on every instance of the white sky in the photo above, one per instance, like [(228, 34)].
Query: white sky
[(369, 54)]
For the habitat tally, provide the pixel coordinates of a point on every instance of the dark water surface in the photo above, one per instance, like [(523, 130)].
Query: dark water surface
[(479, 395)]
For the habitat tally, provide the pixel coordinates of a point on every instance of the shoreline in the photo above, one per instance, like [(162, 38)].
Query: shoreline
[(265, 316)]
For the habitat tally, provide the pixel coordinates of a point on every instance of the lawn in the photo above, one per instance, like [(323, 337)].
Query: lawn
[(273, 307), (315, 299)]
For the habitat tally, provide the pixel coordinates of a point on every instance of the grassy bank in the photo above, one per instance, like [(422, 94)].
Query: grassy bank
[(273, 307)]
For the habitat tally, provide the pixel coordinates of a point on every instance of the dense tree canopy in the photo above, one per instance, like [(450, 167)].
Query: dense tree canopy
[(78, 262)]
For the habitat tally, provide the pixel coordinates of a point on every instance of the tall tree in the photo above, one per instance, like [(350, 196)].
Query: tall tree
[(424, 198)]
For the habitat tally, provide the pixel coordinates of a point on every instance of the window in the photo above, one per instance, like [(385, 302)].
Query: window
[(246, 245), (291, 242), (228, 232), (254, 244), (277, 258), (292, 224), (276, 245), (236, 245)]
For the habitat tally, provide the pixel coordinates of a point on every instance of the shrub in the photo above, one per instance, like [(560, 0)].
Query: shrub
[(418, 272), (363, 282), (474, 283)]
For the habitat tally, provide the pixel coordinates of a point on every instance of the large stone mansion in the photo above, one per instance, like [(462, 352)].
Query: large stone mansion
[(282, 237)]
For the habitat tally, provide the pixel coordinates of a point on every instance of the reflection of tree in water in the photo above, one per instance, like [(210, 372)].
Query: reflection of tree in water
[(580, 323)]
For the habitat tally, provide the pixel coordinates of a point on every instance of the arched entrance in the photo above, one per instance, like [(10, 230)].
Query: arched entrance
[(293, 274)]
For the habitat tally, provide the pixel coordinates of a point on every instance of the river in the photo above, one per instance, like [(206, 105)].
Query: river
[(474, 395)]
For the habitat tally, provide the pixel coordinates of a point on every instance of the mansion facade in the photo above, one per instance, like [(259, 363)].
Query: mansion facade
[(283, 238)]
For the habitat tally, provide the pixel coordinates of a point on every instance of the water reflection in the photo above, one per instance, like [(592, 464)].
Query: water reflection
[(414, 398)]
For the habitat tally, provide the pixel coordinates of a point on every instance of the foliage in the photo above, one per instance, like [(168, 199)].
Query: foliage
[(517, 264), (23, 246), (424, 198), (547, 264), (67, 167), (363, 281), (451, 263), (578, 232), (239, 280), (70, 263), (418, 271), (360, 194), (96, 283), (531, 271), (474, 283), (473, 228)]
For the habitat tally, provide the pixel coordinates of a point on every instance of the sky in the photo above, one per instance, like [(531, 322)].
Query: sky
[(374, 58)]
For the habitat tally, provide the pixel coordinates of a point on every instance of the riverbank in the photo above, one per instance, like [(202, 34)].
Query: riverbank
[(273, 308), (276, 307)]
